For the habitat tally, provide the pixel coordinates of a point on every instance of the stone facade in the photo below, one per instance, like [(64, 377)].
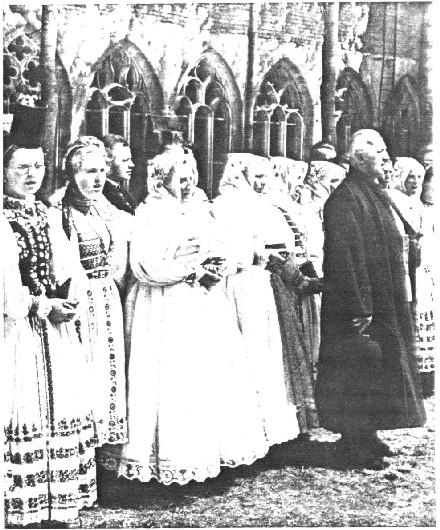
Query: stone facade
[(169, 39)]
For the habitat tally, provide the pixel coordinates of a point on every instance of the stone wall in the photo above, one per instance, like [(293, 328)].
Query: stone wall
[(173, 36)]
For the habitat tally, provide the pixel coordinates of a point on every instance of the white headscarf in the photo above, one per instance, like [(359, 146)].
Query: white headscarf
[(404, 167)]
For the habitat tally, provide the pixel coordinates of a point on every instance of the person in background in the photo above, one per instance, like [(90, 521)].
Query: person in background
[(49, 460), (365, 309), (409, 180), (386, 179), (321, 180), (343, 161), (323, 151), (119, 174)]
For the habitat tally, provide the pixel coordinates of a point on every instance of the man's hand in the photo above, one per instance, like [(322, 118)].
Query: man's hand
[(360, 324)]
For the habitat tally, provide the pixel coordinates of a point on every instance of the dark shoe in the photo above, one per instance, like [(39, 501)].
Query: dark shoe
[(380, 448), (360, 455)]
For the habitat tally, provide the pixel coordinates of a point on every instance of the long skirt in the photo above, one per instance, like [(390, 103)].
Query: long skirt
[(250, 293), (50, 471), (296, 358), (102, 332), (192, 400), (424, 310), (310, 307)]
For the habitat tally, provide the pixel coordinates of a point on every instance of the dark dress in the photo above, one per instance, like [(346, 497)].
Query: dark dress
[(119, 197), (365, 381)]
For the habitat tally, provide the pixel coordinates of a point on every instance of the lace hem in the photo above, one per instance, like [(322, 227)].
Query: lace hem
[(166, 474), (162, 472)]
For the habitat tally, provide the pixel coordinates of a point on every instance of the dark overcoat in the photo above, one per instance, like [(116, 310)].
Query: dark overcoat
[(366, 381), (119, 197)]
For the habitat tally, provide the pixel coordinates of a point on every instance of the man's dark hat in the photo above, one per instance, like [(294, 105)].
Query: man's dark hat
[(27, 126)]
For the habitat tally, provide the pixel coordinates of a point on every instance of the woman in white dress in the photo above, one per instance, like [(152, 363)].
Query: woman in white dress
[(192, 403), (99, 233), (238, 212), (49, 465), (408, 180)]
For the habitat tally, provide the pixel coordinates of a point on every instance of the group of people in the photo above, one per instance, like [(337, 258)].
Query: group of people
[(168, 339)]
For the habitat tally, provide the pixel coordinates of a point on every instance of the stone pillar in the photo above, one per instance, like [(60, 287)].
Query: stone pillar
[(426, 75), (329, 68), (49, 93), (249, 88)]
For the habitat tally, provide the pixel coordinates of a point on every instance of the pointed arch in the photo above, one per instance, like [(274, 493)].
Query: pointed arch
[(126, 98), (285, 87), (354, 102), (141, 66), (22, 82), (223, 84), (401, 128), (210, 84)]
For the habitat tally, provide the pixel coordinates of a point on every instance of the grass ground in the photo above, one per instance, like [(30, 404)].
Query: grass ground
[(297, 484)]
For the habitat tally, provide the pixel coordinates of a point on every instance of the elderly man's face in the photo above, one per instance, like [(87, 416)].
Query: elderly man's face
[(372, 161)]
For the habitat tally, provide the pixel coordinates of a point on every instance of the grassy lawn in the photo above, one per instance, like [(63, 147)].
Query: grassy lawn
[(295, 485)]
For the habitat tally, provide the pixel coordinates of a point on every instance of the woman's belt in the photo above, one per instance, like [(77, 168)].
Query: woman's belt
[(100, 273)]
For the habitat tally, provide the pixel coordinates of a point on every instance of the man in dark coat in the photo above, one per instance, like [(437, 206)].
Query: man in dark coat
[(367, 376), (121, 166)]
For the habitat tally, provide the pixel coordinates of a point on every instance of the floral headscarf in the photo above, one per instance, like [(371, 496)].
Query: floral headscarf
[(293, 175), (323, 178), (165, 170), (234, 173), (403, 168)]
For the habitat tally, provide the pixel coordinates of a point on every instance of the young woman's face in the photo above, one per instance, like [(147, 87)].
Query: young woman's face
[(24, 173), (90, 178), (413, 183)]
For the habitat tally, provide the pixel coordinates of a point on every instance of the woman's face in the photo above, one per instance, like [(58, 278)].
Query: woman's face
[(413, 183), (90, 178), (24, 173), (235, 175)]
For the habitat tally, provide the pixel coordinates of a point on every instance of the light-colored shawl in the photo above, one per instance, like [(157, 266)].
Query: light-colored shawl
[(404, 167)]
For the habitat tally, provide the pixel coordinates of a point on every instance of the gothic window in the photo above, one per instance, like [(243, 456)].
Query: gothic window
[(119, 103), (118, 96), (205, 111), (283, 114), (353, 104), (401, 128), (22, 78), (21, 75)]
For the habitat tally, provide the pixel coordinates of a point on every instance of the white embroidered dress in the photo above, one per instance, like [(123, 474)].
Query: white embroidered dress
[(192, 401), (250, 293)]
